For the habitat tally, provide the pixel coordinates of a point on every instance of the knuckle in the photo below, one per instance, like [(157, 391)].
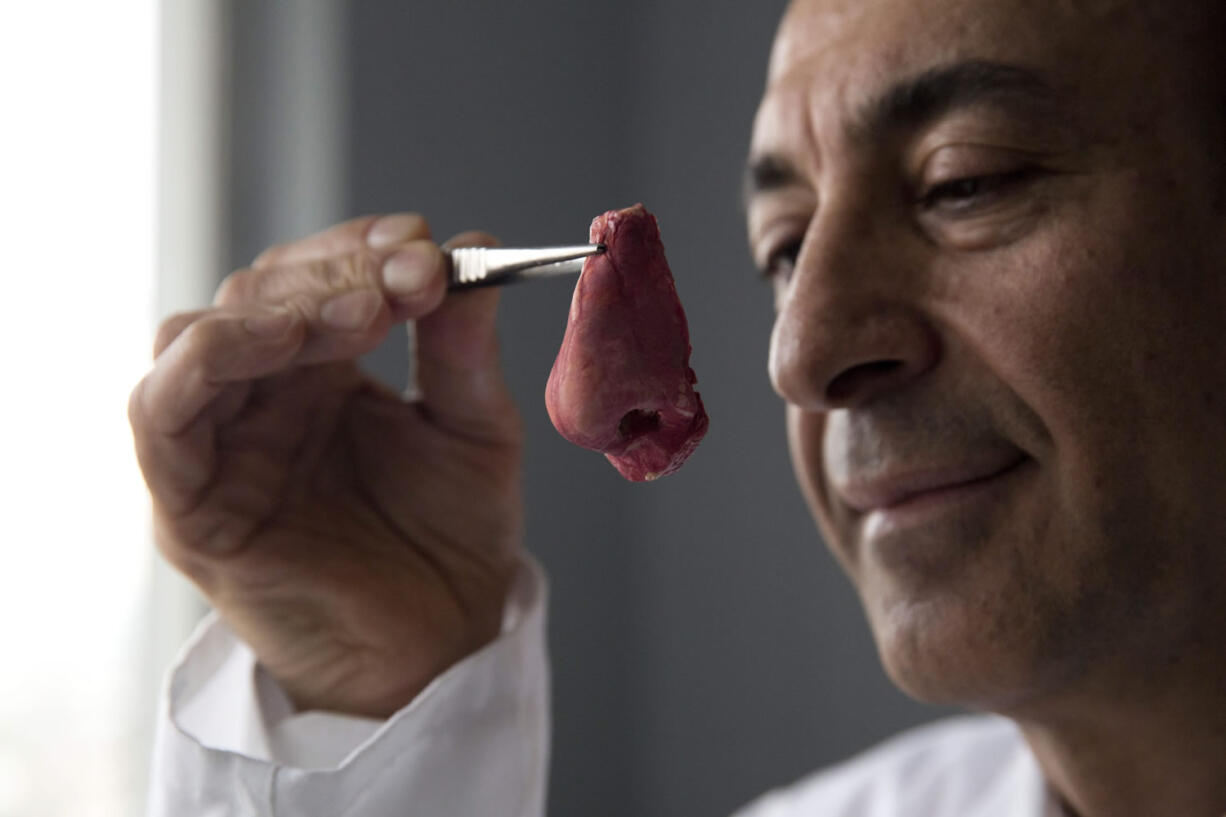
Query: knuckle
[(206, 346), (305, 305), (349, 270), (234, 287), (333, 274), (171, 328), (304, 280), (269, 255), (199, 332)]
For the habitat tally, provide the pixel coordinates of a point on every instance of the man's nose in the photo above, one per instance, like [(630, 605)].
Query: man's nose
[(850, 327)]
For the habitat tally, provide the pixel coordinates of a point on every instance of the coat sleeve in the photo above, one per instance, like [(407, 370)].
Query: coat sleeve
[(475, 742)]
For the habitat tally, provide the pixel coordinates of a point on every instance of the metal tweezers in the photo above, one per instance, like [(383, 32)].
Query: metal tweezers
[(493, 266)]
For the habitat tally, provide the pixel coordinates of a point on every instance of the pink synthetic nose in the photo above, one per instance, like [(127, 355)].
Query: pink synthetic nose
[(622, 383)]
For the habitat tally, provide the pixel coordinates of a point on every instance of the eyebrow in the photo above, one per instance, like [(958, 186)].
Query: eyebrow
[(915, 102), (765, 173), (919, 100)]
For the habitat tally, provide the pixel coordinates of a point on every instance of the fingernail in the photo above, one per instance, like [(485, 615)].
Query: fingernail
[(352, 311), (409, 271), (270, 325), (395, 229)]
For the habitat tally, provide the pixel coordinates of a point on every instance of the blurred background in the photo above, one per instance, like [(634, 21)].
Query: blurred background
[(705, 646)]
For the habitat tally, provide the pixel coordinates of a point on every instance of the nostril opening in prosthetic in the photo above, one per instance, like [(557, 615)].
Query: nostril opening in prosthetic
[(636, 423)]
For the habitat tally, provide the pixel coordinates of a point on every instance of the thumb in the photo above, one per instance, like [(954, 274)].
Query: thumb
[(458, 369)]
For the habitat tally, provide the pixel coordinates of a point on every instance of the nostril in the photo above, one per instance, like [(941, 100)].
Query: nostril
[(857, 379), (636, 423)]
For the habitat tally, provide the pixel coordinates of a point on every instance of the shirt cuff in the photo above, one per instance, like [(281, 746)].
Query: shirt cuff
[(474, 741)]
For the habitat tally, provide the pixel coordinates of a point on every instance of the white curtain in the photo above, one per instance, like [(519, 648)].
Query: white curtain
[(77, 159)]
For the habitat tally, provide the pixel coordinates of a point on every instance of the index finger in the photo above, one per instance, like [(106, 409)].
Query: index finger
[(374, 232)]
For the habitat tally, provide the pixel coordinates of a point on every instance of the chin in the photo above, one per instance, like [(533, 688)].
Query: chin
[(938, 662), (960, 605), (978, 650)]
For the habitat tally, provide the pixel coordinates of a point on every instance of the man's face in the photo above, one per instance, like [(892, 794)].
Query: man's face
[(996, 237)]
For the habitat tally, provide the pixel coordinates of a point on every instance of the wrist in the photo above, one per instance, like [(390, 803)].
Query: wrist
[(377, 676)]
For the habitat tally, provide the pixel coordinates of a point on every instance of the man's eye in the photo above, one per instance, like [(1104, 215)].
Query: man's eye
[(958, 195), (781, 262)]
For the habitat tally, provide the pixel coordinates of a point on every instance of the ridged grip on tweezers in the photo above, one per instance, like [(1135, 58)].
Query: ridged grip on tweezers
[(490, 266)]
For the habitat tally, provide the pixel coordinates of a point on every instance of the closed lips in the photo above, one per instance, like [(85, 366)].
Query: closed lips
[(902, 485)]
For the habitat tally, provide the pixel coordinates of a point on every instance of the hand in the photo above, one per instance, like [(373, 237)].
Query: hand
[(359, 543)]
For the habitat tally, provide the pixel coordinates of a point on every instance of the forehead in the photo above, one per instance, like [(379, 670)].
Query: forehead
[(896, 31), (830, 56)]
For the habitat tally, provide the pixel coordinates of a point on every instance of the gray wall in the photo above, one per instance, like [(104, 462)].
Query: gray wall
[(705, 645)]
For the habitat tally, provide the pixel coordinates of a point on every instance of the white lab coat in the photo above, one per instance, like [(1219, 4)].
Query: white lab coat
[(475, 743)]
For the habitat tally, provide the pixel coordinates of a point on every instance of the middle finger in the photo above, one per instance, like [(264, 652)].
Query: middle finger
[(408, 275), (377, 232)]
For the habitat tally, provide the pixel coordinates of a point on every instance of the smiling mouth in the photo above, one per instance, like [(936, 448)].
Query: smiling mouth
[(922, 525), (909, 523), (910, 491)]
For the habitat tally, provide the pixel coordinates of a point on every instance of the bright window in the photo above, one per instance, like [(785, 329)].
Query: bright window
[(77, 171)]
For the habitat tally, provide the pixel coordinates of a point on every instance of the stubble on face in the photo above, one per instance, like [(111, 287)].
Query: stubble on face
[(1087, 342)]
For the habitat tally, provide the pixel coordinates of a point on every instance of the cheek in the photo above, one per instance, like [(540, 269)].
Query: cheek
[(805, 434), (1060, 332), (804, 445), (1102, 326)]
